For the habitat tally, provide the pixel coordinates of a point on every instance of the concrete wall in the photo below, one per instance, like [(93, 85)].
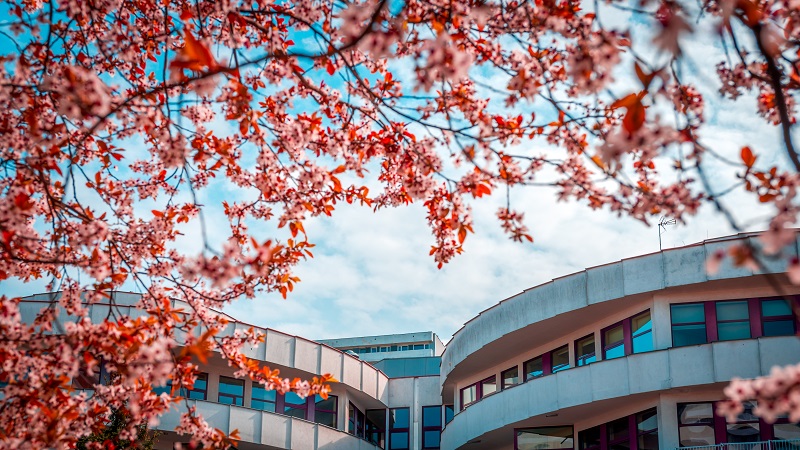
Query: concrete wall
[(269, 430)]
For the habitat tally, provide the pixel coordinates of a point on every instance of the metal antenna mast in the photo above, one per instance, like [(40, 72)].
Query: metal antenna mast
[(662, 225)]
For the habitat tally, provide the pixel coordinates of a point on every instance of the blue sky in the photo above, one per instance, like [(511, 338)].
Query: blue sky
[(372, 274)]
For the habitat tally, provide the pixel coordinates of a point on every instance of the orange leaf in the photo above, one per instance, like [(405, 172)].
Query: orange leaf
[(634, 119), (747, 156)]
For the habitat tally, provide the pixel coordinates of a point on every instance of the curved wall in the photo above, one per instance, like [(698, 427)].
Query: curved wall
[(625, 279)]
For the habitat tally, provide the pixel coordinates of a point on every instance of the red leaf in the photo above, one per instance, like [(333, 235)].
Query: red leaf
[(330, 67), (747, 156)]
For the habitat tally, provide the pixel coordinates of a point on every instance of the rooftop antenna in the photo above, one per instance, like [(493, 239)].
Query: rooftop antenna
[(662, 225)]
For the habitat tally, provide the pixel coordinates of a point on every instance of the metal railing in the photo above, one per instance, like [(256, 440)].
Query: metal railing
[(789, 444)]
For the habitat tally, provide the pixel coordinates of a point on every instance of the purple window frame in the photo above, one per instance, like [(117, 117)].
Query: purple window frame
[(719, 424), (315, 409), (755, 316), (478, 391), (432, 428), (627, 335), (359, 431), (632, 435)]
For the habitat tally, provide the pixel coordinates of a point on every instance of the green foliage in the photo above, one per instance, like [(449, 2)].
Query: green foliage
[(109, 436)]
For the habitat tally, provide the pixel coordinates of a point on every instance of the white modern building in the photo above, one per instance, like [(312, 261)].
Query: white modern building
[(627, 356)]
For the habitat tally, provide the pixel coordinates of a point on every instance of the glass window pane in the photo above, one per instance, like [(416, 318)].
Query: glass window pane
[(432, 416), (642, 326), (779, 328), (325, 418), (449, 412), (688, 335), (743, 432), (732, 310), (614, 335), (641, 323), (643, 342), (589, 438), (544, 438), (262, 394), (488, 386), (262, 405), (399, 418), (468, 395), (231, 386), (697, 435), (786, 431), (201, 384), (398, 441), (618, 429), (196, 395), (325, 405), (510, 377), (692, 413), (616, 351), (585, 349), (733, 330), (649, 441), (294, 399), (534, 368), (560, 358), (775, 307), (430, 439), (623, 445), (647, 420), (688, 313)]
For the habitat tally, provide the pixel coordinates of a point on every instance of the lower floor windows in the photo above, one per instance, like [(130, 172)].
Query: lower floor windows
[(509, 377), (263, 399), (355, 421), (231, 391), (325, 410), (399, 426), (699, 425), (635, 432), (584, 351), (543, 438), (431, 426), (376, 427)]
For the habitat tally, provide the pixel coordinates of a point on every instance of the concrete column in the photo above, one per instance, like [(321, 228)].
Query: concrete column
[(667, 423), (598, 346), (662, 328)]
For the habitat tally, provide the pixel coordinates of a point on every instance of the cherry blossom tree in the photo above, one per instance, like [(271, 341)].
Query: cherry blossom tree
[(119, 117)]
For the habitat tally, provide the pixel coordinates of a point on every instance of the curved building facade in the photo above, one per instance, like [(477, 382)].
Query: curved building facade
[(627, 356)]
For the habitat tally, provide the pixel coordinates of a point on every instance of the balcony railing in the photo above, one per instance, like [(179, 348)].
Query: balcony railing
[(789, 444)]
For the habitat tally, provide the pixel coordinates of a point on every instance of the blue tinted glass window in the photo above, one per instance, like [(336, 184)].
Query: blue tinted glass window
[(733, 330), (779, 328), (688, 335), (534, 368), (642, 326), (399, 418), (776, 307), (398, 440), (688, 313), (560, 359), (732, 311), (432, 416), (449, 412)]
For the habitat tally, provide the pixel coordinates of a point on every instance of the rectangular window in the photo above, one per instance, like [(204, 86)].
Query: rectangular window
[(638, 431), (200, 389), (777, 318), (688, 324), (559, 359), (399, 425), (231, 391), (733, 320), (543, 438), (355, 421), (263, 399), (534, 368), (449, 413), (584, 351), (431, 426), (488, 387), (376, 427), (642, 332), (469, 395), (614, 342), (509, 377), (325, 410), (294, 406), (696, 424)]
